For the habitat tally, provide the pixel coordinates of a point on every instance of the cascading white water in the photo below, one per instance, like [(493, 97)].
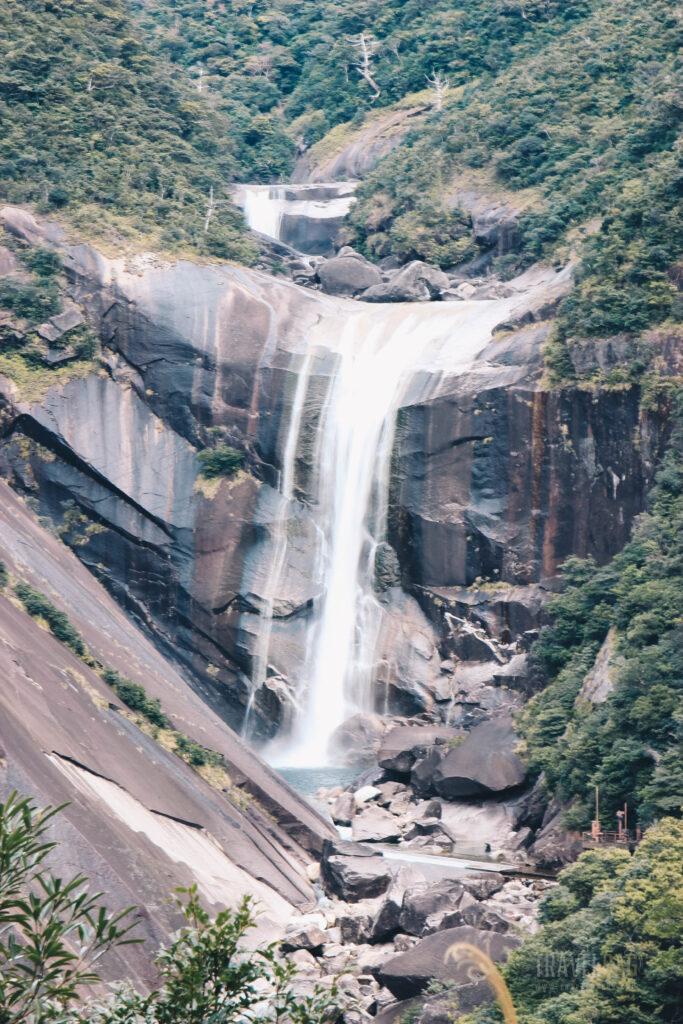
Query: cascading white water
[(380, 350), (264, 206)]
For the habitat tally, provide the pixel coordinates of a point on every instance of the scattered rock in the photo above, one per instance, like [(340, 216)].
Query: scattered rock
[(348, 275), (355, 878), (416, 282), (364, 794), (375, 825), (355, 928), (422, 901), (310, 937), (389, 791), (428, 827), (343, 809), (484, 884)]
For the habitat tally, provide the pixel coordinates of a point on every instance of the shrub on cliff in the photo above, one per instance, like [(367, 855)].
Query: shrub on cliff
[(135, 697), (220, 461), (40, 606)]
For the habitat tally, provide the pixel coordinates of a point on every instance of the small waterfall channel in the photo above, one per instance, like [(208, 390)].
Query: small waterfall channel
[(306, 217), (383, 356)]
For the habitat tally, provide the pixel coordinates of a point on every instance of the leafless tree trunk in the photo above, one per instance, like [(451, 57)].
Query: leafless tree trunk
[(367, 47), (210, 209), (440, 86)]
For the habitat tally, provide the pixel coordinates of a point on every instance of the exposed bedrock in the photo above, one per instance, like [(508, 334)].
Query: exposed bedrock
[(499, 479), (139, 820), (495, 481)]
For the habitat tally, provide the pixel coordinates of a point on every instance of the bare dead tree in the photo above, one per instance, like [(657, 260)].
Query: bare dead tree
[(367, 48), (200, 77), (440, 85), (210, 210)]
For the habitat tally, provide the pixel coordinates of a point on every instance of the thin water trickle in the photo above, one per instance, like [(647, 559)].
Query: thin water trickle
[(278, 532)]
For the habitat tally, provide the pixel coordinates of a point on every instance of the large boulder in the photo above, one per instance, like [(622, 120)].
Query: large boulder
[(416, 282), (409, 973), (485, 762), (424, 901), (403, 746), (375, 825), (348, 275), (353, 872)]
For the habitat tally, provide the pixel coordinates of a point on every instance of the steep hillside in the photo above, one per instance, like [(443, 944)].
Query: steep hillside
[(612, 715), (160, 791), (96, 128)]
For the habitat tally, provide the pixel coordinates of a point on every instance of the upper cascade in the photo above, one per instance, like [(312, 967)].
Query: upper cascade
[(306, 217)]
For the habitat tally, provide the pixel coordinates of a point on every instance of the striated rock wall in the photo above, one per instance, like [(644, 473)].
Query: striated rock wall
[(493, 477)]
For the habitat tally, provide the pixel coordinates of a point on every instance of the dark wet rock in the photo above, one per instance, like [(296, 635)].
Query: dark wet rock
[(355, 878), (387, 567), (409, 973), (403, 746), (375, 825), (480, 915), (554, 846), (348, 275), (355, 928), (386, 923), (529, 809), (423, 901), (416, 282)]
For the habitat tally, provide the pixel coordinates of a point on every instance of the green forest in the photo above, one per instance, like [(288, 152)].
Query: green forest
[(125, 116), (128, 121)]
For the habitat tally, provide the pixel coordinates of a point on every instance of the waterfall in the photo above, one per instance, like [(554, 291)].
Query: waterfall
[(380, 352), (266, 206)]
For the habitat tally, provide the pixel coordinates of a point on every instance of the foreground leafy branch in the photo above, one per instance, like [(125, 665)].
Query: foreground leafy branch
[(53, 933)]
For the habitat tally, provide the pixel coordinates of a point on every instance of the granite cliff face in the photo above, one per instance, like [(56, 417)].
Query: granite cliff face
[(493, 477), (139, 820)]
